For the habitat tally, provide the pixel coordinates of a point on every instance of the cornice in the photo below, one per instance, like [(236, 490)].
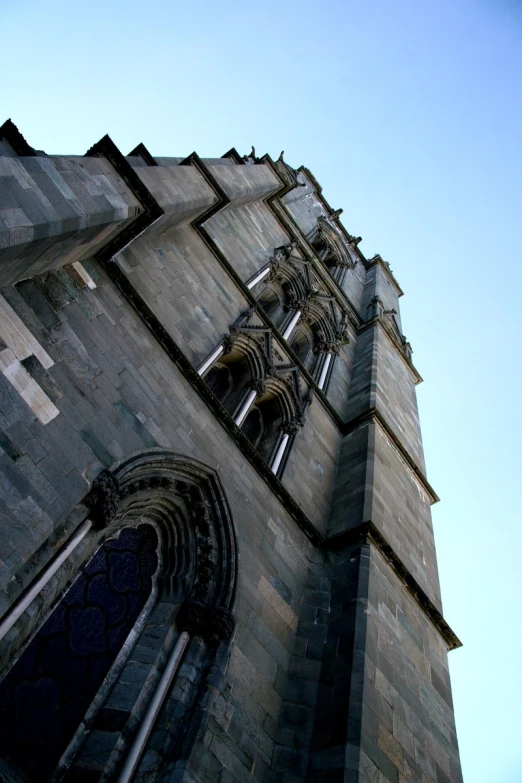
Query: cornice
[(222, 200), (377, 260), (235, 156), (377, 321), (375, 415), (142, 152), (368, 531), (151, 210)]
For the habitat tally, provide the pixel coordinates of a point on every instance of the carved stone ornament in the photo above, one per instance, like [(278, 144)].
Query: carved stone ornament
[(200, 510), (280, 255), (258, 386), (220, 625), (245, 317), (102, 499), (251, 157), (406, 347), (275, 270), (327, 347), (228, 343), (214, 624), (290, 427), (146, 484), (270, 369), (192, 617)]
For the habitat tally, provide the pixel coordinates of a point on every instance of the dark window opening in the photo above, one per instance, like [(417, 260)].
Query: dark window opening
[(252, 427), (46, 694), (270, 302), (219, 381)]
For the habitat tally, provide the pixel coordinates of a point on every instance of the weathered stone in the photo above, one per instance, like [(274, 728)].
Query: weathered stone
[(306, 599)]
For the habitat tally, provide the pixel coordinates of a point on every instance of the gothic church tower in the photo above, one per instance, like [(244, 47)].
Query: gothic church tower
[(216, 553)]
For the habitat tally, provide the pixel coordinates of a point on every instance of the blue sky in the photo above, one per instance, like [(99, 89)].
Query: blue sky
[(409, 114)]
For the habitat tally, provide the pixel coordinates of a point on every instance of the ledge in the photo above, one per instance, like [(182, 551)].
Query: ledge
[(378, 260), (374, 414), (106, 148), (368, 531), (377, 320)]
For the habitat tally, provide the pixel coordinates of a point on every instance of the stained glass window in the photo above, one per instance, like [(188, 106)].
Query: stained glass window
[(47, 692)]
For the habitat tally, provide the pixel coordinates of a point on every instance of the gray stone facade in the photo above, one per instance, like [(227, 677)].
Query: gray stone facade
[(298, 577)]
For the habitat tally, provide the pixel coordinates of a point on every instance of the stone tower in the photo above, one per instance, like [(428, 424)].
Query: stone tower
[(216, 553)]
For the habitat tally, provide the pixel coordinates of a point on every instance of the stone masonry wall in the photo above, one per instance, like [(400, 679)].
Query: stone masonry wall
[(408, 727), (334, 672), (118, 394), (54, 211)]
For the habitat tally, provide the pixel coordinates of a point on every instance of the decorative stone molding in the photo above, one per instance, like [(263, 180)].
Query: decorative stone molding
[(326, 347), (258, 386), (191, 618), (102, 499), (251, 158), (214, 624), (220, 625), (335, 243), (291, 427), (387, 317), (287, 173), (228, 343)]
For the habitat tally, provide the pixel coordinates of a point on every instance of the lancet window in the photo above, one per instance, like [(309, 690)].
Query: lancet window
[(159, 541), (333, 248), (258, 388), (302, 310), (47, 692)]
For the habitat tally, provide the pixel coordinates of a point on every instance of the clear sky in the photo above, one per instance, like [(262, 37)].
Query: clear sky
[(409, 114)]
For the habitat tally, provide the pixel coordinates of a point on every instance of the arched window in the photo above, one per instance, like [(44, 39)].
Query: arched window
[(219, 380), (301, 344), (332, 248), (270, 301), (47, 692), (161, 545), (253, 426)]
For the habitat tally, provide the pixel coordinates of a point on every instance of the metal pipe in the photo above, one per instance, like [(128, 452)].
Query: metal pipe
[(245, 408), (140, 741), (19, 606)]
